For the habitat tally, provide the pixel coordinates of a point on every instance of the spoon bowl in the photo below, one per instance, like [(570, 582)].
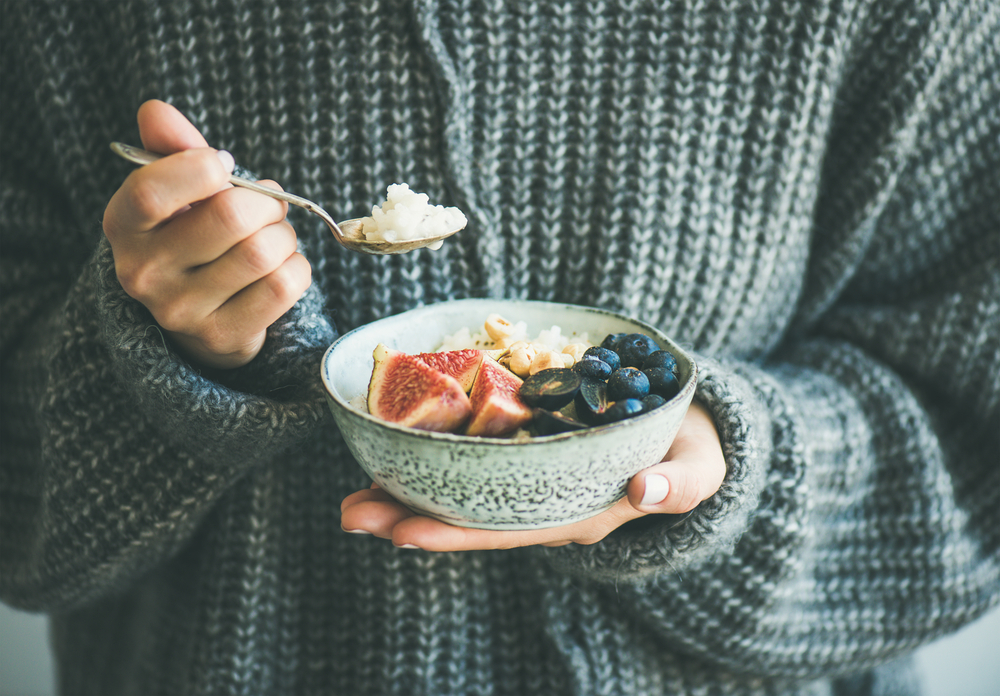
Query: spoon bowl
[(348, 233)]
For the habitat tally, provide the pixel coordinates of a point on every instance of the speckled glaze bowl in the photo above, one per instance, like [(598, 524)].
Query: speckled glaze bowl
[(494, 483)]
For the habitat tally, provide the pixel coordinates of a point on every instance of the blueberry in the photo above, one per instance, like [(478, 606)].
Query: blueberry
[(651, 401), (619, 410), (605, 355), (611, 341), (660, 358), (635, 348), (592, 367), (662, 382), (627, 383)]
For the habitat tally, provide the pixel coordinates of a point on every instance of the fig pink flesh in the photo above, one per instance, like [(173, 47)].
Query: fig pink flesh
[(460, 364), (496, 408), (407, 391)]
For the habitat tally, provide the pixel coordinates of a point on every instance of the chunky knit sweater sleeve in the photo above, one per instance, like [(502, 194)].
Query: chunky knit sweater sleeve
[(116, 411)]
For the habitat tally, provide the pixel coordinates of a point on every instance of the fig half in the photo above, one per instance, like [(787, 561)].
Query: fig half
[(496, 408), (403, 389)]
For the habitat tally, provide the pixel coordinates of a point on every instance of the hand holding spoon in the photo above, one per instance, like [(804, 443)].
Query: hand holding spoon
[(348, 233)]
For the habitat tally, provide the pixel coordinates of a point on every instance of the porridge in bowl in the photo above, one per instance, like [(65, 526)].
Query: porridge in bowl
[(521, 480)]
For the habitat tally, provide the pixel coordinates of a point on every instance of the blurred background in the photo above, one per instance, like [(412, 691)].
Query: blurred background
[(963, 664)]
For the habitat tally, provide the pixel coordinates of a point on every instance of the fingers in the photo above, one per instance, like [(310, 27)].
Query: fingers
[(245, 262), (214, 264), (432, 535), (372, 511), (692, 471), (156, 192), (165, 130), (202, 258), (232, 334), (376, 512), (261, 303), (210, 229)]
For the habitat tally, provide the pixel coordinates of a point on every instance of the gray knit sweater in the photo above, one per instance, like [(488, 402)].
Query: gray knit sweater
[(806, 193)]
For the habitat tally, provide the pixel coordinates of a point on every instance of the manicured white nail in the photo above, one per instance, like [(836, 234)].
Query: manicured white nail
[(656, 490), (227, 160), (355, 531), (407, 546)]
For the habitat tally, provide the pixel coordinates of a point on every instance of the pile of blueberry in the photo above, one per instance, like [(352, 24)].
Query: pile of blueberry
[(626, 375)]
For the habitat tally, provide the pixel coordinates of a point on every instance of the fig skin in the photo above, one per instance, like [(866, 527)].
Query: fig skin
[(496, 408), (407, 391)]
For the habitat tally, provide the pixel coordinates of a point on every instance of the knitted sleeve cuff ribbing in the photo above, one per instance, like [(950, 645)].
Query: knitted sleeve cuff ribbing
[(716, 524), (271, 402)]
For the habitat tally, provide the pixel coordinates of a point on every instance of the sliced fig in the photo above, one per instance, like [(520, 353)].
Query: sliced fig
[(550, 389), (592, 401), (408, 391), (496, 408), (460, 364), (552, 422)]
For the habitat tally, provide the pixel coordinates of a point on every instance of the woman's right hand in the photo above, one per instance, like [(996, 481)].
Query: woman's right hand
[(214, 264)]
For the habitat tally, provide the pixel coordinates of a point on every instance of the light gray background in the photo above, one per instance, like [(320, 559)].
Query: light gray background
[(964, 664)]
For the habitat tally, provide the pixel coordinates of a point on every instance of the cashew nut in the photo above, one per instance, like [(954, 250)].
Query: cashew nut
[(498, 327), (575, 350), (521, 359), (545, 360)]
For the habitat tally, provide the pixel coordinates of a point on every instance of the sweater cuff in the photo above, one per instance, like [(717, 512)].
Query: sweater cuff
[(273, 401), (672, 542)]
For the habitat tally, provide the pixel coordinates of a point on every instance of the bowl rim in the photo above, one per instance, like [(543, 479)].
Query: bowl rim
[(683, 394)]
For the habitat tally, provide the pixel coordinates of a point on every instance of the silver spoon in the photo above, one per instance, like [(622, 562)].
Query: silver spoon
[(348, 233)]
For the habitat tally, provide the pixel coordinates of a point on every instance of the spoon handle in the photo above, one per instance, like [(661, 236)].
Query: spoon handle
[(142, 157)]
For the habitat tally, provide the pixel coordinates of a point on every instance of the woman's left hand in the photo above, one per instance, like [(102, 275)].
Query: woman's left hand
[(692, 471)]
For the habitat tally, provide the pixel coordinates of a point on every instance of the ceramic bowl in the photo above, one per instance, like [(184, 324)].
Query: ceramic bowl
[(494, 483)]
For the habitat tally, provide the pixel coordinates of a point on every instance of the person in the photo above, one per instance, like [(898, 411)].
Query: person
[(805, 193)]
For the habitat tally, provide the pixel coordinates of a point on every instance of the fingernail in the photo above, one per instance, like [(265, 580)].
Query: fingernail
[(656, 490), (355, 531), (407, 546), (227, 160)]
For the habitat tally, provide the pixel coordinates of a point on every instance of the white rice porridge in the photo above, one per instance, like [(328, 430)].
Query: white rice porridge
[(407, 215)]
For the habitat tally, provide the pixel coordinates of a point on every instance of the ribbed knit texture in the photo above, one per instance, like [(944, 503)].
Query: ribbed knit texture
[(805, 193)]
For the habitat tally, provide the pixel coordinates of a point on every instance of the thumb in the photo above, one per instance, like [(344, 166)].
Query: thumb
[(667, 488), (165, 130), (692, 471)]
